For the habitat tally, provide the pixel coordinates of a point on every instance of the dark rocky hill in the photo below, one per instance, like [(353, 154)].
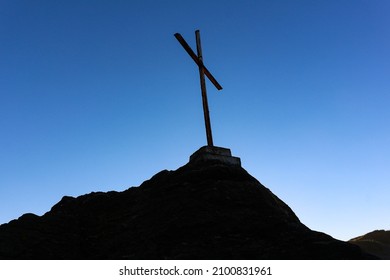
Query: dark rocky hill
[(376, 243), (203, 210)]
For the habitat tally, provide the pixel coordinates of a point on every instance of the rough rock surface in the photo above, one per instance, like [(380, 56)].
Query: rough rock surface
[(200, 211)]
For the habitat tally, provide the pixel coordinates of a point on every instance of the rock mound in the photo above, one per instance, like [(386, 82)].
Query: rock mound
[(207, 210)]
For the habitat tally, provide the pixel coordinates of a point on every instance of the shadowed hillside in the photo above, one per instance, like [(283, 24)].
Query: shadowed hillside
[(376, 243), (206, 210)]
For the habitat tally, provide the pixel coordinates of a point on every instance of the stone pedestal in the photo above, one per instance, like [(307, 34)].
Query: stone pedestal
[(207, 153)]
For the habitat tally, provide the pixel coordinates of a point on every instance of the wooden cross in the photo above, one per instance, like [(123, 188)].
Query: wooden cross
[(202, 71)]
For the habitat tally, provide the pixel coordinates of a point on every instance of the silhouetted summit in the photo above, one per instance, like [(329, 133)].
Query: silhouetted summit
[(376, 243), (203, 210)]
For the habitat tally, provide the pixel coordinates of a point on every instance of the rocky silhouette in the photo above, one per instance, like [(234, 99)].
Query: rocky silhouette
[(203, 210), (376, 243)]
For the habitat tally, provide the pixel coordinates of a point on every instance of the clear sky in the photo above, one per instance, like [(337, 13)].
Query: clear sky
[(99, 96)]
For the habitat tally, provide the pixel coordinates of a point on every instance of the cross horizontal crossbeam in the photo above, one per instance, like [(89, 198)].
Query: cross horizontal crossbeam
[(197, 61)]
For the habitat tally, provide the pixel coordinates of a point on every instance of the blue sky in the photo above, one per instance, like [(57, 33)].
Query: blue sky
[(99, 96)]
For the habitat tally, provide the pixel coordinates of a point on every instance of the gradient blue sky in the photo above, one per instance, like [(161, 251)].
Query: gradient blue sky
[(99, 96)]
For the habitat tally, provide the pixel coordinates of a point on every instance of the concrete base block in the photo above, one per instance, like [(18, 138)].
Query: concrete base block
[(207, 153)]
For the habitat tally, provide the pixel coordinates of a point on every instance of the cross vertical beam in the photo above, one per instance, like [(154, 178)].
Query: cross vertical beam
[(198, 59), (204, 92)]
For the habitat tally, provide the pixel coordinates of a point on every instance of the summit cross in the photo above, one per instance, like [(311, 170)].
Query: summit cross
[(202, 72)]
